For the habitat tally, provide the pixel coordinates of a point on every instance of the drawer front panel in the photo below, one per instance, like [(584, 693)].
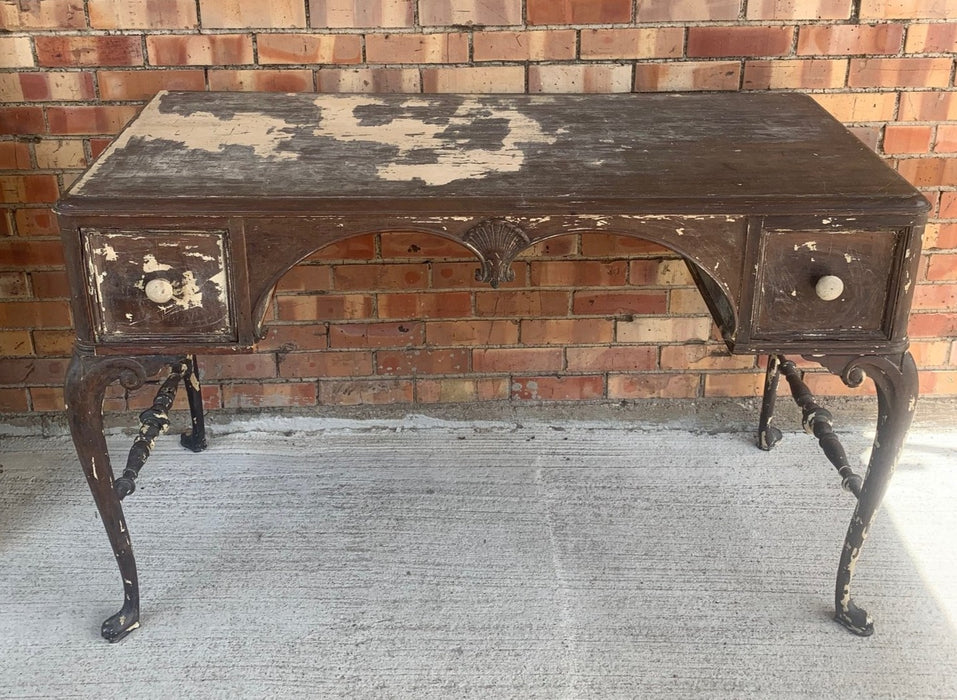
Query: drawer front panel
[(824, 284), (160, 285)]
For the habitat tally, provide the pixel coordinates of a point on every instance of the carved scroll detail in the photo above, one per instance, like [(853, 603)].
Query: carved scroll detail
[(496, 242)]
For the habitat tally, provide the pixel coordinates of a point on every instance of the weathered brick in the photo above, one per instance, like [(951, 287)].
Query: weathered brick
[(663, 330), (255, 366), (686, 301), (46, 398), (292, 80), (690, 75), (850, 39), (365, 391), (123, 14), (948, 205), (290, 338), (269, 395), (937, 297), (56, 51), (14, 155), (578, 78), (42, 14), (929, 106), (566, 331), (425, 305), (13, 285), (325, 364), (929, 172), (34, 314), (53, 342), (485, 79), (324, 307), (368, 13), (799, 9), (378, 276), (859, 107), (13, 401), (106, 119), (21, 120), (471, 332), (619, 303), (908, 9), (199, 50), (584, 273), (578, 11), (60, 86), (714, 42), (814, 74), (28, 188), (946, 141), (659, 272), (702, 358), (143, 84), (941, 267), (550, 388), (36, 221), (376, 335), (542, 45), (899, 72), (58, 154), (512, 360), (368, 80), (465, 12), (687, 10), (931, 38), (16, 343), (932, 325), (666, 42), (932, 353), (899, 138), (229, 14), (422, 361), (16, 52), (612, 359), (460, 389), (417, 48), (309, 48), (652, 386), (510, 303), (736, 384)]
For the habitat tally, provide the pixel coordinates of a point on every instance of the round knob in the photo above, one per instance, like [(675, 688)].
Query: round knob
[(159, 290), (829, 287)]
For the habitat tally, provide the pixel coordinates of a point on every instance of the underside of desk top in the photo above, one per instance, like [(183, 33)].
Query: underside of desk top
[(505, 154)]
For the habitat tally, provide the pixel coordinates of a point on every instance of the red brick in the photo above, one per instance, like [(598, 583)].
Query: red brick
[(511, 304), (107, 119), (932, 353), (814, 74), (290, 338), (929, 172), (269, 395), (938, 383), (799, 9), (933, 325), (615, 359), (47, 398), (712, 42), (376, 335), (579, 78), (16, 52), (368, 13), (13, 285), (666, 42), (28, 188), (381, 276), (143, 84), (484, 79), (425, 305), (56, 85), (850, 39), (652, 386), (420, 361), (306, 278), (931, 38), (369, 391), (466, 12), (293, 80), (34, 314), (690, 75), (259, 366), (900, 138), (325, 307), (415, 245), (460, 389), (659, 272), (555, 45), (578, 11), (471, 332), (33, 371), (123, 14), (21, 120), (899, 72), (36, 221), (567, 331), (560, 273), (13, 401), (97, 146), (937, 297), (859, 107), (703, 357), (869, 135), (55, 51), (662, 330), (618, 303), (948, 205), (199, 50), (908, 9), (369, 80), (942, 267), (50, 284), (451, 275), (40, 14), (228, 14), (325, 364), (6, 222), (930, 106), (737, 384), (417, 48), (53, 342), (14, 155), (309, 48), (687, 10), (517, 359), (15, 343), (557, 388), (946, 141)]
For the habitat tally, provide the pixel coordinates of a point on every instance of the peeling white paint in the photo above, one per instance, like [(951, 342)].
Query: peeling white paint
[(807, 245), (151, 264)]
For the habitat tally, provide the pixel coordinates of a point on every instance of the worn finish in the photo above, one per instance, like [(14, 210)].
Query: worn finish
[(177, 235)]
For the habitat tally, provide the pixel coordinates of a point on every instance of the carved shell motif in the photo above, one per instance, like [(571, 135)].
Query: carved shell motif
[(496, 242)]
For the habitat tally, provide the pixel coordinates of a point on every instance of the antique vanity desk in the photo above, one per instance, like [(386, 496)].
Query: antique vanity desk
[(799, 238)]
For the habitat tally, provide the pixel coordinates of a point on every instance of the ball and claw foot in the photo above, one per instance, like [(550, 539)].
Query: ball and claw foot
[(855, 619), (769, 437), (121, 624), (193, 442)]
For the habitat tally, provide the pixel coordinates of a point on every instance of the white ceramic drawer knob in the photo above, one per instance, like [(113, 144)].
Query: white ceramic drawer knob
[(159, 290), (829, 287)]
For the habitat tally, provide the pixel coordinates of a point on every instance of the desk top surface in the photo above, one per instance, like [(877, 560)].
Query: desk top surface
[(634, 153)]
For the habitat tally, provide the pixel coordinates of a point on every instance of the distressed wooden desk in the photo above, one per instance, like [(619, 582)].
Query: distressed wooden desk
[(799, 238)]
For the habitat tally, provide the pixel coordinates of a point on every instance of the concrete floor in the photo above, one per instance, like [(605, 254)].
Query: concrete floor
[(529, 557)]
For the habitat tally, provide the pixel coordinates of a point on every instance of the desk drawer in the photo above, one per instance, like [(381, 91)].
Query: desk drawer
[(154, 284), (826, 284)]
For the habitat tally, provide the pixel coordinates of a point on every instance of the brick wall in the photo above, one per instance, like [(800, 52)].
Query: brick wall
[(400, 319)]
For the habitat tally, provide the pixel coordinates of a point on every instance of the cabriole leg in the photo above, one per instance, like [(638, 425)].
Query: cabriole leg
[(768, 435), (86, 382), (195, 438), (896, 382)]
